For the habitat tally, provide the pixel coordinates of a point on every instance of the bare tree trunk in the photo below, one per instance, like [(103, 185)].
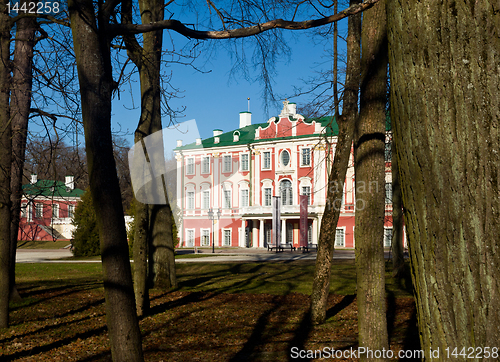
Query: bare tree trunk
[(398, 261), (159, 229), (5, 164), (447, 117), (92, 50), (326, 242), (369, 150), (22, 80)]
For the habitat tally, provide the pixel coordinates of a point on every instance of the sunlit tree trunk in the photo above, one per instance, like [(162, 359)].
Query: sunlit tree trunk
[(5, 165), (92, 51), (369, 168), (326, 242), (445, 99)]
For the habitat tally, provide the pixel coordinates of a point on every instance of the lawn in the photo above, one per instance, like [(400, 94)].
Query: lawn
[(220, 312)]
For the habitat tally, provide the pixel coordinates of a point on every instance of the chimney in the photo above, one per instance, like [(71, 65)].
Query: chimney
[(245, 119), (179, 143), (292, 108), (70, 182), (198, 141), (33, 179)]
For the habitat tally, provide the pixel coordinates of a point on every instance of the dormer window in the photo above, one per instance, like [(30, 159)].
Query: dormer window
[(285, 158)]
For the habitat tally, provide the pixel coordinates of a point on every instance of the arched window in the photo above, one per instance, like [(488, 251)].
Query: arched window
[(286, 192)]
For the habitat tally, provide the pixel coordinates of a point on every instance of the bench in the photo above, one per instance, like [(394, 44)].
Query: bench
[(305, 249), (281, 247)]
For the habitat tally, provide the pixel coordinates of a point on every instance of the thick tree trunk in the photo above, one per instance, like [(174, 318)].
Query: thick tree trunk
[(369, 148), (445, 99), (22, 80), (95, 76), (159, 229), (5, 164), (326, 242), (398, 261)]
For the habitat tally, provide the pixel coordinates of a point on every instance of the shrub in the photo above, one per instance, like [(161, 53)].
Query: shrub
[(85, 235)]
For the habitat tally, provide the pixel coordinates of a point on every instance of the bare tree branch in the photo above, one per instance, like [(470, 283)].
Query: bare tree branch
[(176, 25)]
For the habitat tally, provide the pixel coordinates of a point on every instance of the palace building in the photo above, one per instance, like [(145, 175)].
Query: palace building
[(226, 183)]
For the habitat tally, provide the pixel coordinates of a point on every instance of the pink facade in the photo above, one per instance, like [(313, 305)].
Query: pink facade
[(239, 172), (47, 209)]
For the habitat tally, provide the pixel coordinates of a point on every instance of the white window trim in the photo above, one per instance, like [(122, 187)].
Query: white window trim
[(388, 228), (56, 208), (281, 163), (41, 210), (241, 197), (187, 200), (344, 229), (263, 160), (24, 210), (203, 191), (264, 196), (301, 164), (224, 163), (241, 161), (188, 159), (209, 237), (224, 237), (209, 166), (72, 213), (187, 237)]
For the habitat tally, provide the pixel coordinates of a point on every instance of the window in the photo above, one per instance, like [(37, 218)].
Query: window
[(30, 212), (388, 192), (71, 210), (306, 190), (55, 211), (227, 163), (388, 151), (244, 162), (227, 199), (387, 238), (227, 237), (205, 165), (244, 197), (306, 157), (190, 238), (266, 164), (286, 192), (24, 207), (267, 196), (285, 158), (205, 199), (39, 211), (339, 237), (205, 237), (190, 166), (190, 200)]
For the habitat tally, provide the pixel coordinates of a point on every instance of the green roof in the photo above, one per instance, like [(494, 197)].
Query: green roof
[(51, 188), (247, 135)]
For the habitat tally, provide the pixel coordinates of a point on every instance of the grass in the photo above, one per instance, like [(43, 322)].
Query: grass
[(220, 312)]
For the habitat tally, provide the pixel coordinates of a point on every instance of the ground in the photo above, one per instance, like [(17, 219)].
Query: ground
[(222, 313)]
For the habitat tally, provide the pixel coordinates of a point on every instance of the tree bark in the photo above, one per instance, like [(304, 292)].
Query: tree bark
[(20, 102), (398, 261), (5, 165), (369, 150), (336, 179), (445, 101), (92, 51)]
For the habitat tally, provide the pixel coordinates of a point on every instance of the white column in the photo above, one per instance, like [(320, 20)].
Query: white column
[(255, 235), (283, 231), (315, 234), (261, 233)]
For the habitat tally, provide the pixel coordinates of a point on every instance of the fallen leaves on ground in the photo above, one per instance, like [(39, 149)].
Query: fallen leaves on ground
[(68, 324)]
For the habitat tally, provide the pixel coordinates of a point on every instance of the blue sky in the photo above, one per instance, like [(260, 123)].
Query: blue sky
[(215, 99)]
